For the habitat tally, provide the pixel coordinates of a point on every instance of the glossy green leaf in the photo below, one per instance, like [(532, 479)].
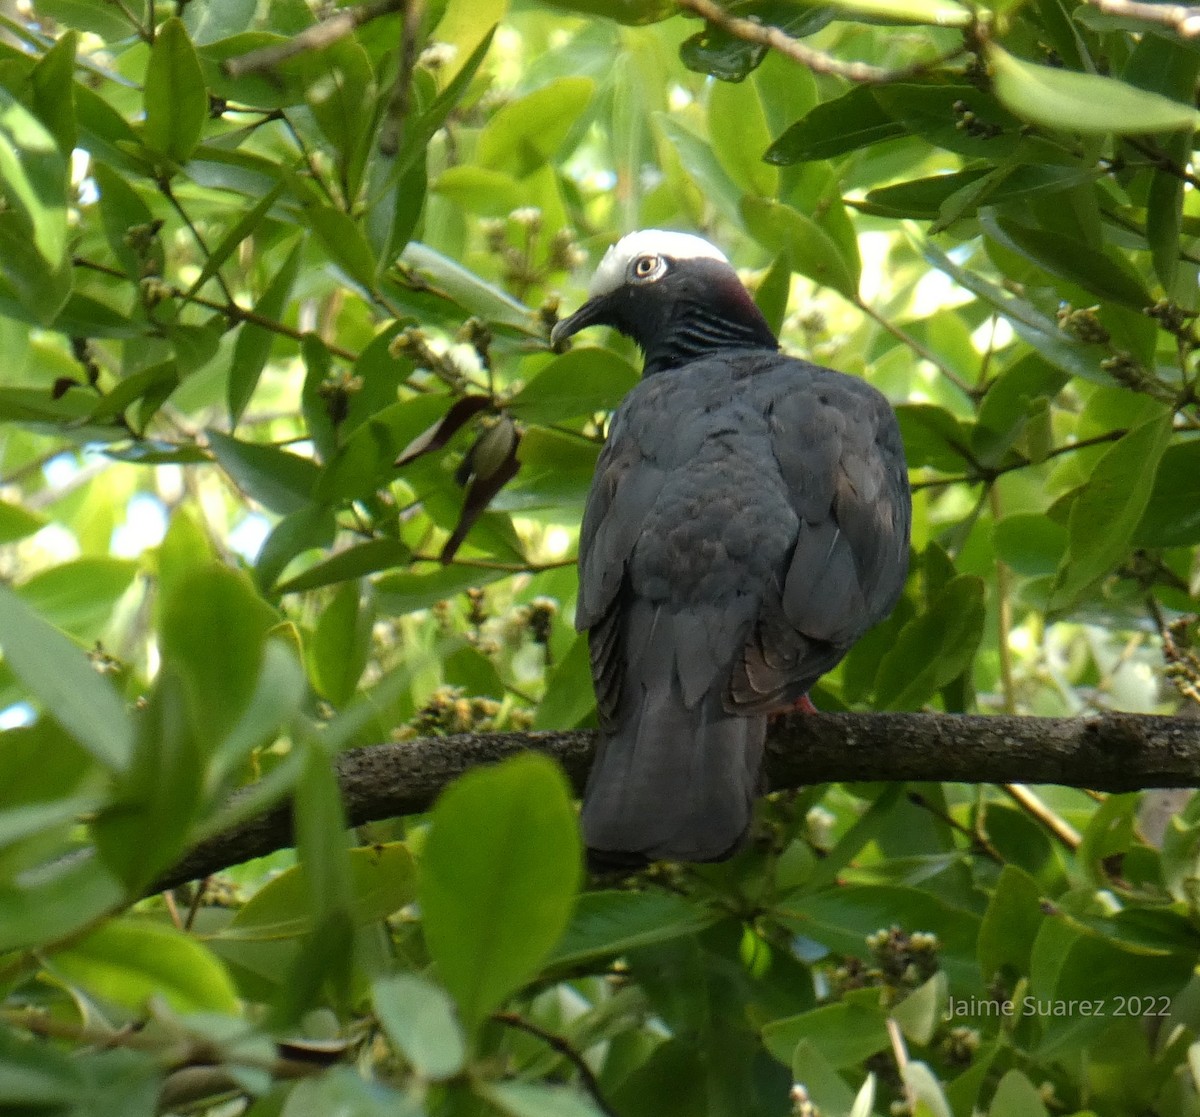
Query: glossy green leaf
[(175, 97), (480, 190), (254, 342), (1106, 513), (419, 1018), (526, 132), (60, 675), (825, 1087), (280, 480), (701, 164), (849, 123), (79, 596), (129, 960), (498, 879), (1087, 103)]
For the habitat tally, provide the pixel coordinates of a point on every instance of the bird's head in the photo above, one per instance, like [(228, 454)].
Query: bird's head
[(675, 295)]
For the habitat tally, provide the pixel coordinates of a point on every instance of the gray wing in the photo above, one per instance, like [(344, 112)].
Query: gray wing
[(837, 445)]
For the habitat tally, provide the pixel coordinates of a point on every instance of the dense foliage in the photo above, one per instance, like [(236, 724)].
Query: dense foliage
[(234, 289)]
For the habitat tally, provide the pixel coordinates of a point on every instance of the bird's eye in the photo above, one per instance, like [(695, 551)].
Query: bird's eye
[(648, 267)]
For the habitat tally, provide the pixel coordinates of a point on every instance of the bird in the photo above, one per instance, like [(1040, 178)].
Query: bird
[(748, 521)]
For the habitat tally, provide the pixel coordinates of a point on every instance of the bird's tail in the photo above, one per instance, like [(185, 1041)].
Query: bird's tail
[(671, 782)]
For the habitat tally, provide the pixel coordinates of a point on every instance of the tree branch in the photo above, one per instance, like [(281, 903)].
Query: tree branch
[(316, 37), (751, 31), (1184, 19), (1115, 752)]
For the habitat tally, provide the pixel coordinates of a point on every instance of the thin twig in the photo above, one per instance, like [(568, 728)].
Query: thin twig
[(1032, 805), (900, 1054), (1183, 19), (979, 841), (232, 310), (922, 351), (1004, 615), (563, 1046), (344, 22), (992, 474), (819, 62)]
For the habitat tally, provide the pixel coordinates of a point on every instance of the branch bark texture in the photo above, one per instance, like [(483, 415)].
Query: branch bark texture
[(1114, 752)]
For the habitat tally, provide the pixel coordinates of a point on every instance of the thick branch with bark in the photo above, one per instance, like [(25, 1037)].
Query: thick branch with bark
[(1116, 752)]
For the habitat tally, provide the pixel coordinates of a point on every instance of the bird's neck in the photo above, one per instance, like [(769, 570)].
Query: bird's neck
[(698, 331)]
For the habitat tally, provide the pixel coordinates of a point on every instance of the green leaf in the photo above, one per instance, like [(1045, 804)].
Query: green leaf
[(537, 1099), (936, 13), (843, 1034), (37, 1077), (1030, 542), (569, 698), (498, 879), (1172, 515), (254, 342), (33, 222), (366, 558), (341, 642), (608, 924), (826, 1089), (470, 292), (419, 1018), (212, 629), (479, 190), (339, 89), (849, 123), (17, 522), (406, 591), (343, 1092), (53, 83), (382, 880), (342, 237), (577, 384), (526, 132), (60, 675), (57, 901), (1106, 513), (175, 97), (737, 129), (933, 648), (1016, 1096), (246, 224), (811, 250), (1088, 103), (79, 596), (283, 482), (922, 1012), (129, 960), (1108, 275), (701, 164), (160, 793)]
